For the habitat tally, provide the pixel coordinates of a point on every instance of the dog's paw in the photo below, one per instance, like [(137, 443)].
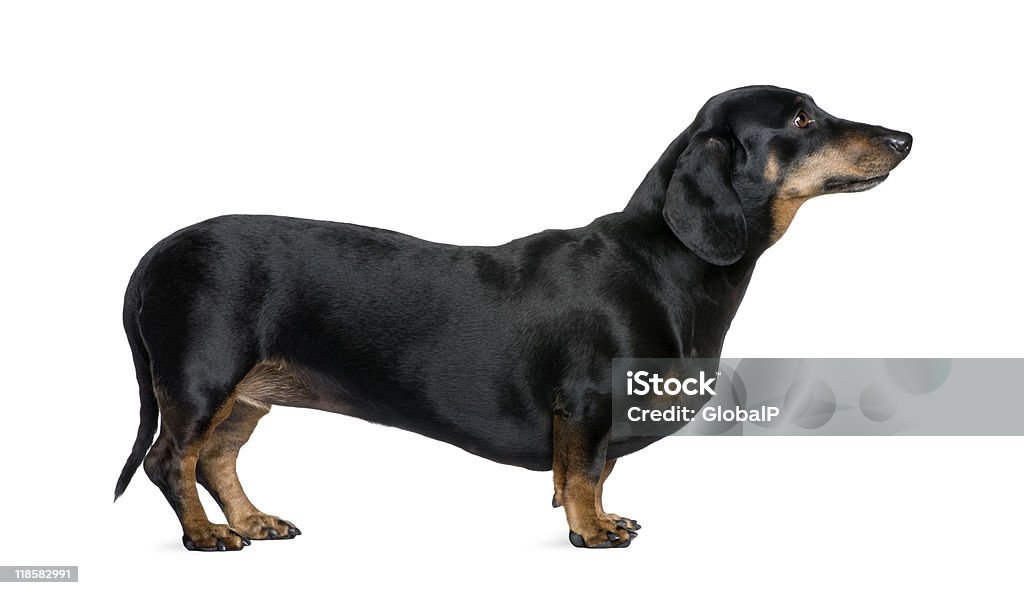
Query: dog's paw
[(214, 538), (605, 533), (265, 526)]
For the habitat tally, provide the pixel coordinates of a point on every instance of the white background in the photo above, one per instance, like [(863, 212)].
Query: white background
[(121, 122)]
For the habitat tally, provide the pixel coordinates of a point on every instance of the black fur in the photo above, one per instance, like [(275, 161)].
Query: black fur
[(475, 346)]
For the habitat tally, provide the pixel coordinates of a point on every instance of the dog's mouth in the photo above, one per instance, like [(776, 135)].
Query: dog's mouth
[(858, 185)]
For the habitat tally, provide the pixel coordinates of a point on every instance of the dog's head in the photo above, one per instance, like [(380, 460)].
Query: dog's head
[(754, 155)]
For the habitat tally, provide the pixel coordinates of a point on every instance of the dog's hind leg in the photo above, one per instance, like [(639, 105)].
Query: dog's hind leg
[(622, 522), (217, 473), (188, 419)]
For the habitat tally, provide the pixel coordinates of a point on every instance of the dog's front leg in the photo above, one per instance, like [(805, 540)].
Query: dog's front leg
[(580, 444), (623, 522)]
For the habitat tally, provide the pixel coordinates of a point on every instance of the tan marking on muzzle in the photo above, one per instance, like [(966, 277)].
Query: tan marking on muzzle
[(852, 157)]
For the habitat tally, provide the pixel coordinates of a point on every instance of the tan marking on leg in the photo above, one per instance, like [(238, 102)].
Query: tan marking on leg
[(218, 459), (579, 494), (558, 472), (599, 492), (194, 516), (194, 522), (580, 510), (599, 495)]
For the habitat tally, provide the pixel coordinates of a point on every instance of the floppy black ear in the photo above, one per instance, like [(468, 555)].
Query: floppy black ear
[(701, 206)]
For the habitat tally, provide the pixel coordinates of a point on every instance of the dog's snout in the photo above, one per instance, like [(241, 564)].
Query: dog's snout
[(900, 142)]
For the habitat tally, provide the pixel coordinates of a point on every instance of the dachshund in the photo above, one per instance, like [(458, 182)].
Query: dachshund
[(504, 351)]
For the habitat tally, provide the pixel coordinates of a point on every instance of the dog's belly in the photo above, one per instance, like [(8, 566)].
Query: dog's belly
[(485, 426)]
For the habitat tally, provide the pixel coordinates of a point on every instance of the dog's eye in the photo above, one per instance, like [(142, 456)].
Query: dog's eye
[(802, 120)]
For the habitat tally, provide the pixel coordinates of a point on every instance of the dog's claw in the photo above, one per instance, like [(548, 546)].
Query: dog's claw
[(576, 539), (554, 501), (613, 541), (293, 531), (632, 534), (273, 533), (189, 544), (246, 541), (220, 546), (625, 524)]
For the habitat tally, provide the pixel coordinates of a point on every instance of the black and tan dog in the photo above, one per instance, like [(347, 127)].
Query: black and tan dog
[(503, 351)]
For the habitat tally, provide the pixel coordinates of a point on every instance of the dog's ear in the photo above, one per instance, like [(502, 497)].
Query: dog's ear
[(701, 206)]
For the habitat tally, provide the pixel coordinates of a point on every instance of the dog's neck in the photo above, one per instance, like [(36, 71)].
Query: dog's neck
[(703, 319)]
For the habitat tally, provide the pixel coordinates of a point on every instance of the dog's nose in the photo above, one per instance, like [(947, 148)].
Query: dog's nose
[(900, 142)]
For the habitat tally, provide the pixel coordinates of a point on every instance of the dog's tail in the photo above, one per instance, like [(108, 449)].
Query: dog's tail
[(149, 412)]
